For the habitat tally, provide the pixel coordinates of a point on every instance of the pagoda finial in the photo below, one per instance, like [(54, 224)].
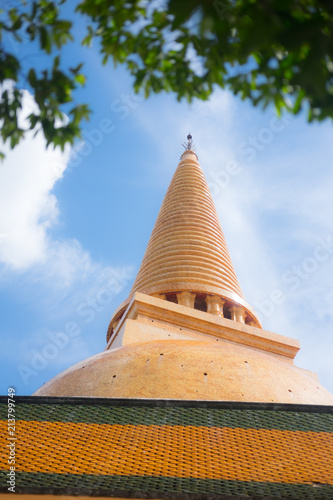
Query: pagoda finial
[(189, 145)]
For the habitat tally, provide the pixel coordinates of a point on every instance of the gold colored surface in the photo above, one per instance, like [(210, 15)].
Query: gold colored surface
[(188, 369), (176, 318), (237, 314), (214, 305), (186, 299), (187, 250), (162, 450)]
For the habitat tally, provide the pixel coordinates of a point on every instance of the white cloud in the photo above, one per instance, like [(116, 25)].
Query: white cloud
[(27, 206)]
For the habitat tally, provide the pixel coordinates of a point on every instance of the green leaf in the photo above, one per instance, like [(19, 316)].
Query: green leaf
[(80, 79), (45, 40)]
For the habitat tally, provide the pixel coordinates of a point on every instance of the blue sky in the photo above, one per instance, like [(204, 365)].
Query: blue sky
[(74, 226)]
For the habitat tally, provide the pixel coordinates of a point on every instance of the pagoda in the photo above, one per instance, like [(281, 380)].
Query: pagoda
[(186, 330)]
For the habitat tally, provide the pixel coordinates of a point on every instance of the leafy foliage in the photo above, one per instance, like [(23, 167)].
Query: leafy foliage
[(268, 51), (52, 88)]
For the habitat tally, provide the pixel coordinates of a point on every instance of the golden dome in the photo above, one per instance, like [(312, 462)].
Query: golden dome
[(183, 369)]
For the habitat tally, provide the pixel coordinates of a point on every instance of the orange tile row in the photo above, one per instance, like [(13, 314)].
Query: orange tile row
[(181, 451)]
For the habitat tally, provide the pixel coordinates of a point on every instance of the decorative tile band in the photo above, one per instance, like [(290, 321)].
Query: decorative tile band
[(163, 487), (172, 451), (156, 415), (169, 449)]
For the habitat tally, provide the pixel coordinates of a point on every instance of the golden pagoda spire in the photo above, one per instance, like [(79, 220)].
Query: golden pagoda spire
[(187, 259)]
